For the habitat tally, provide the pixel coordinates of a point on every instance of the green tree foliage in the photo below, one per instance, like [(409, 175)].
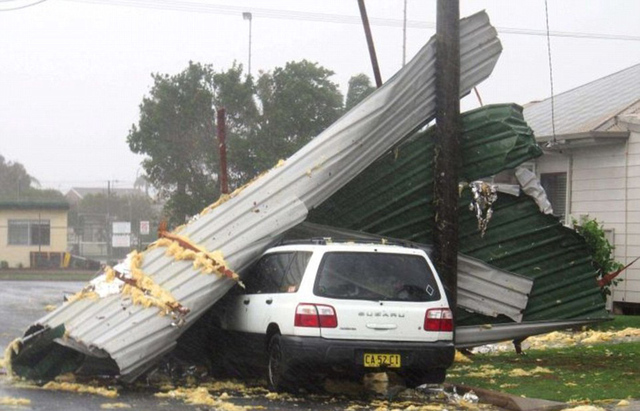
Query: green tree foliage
[(359, 88), (175, 132), (16, 185), (603, 251), (298, 102), (267, 120)]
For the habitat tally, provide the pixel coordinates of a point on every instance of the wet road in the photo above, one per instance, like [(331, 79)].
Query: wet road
[(24, 302)]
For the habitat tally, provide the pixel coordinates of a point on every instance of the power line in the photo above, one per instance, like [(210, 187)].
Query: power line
[(25, 6), (553, 112), (198, 7)]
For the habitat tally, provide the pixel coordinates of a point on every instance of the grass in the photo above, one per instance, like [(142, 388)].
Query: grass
[(620, 322), (575, 373), (45, 275)]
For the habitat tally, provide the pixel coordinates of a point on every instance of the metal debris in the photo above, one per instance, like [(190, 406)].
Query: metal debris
[(483, 197)]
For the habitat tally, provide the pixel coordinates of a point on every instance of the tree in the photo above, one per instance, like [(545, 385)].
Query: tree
[(15, 185), (298, 102), (175, 131), (266, 121), (359, 88)]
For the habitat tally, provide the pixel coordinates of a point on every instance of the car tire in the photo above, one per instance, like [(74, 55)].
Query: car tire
[(278, 376), (415, 378)]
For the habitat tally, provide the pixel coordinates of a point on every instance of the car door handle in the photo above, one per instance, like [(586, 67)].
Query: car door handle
[(269, 301), (247, 301)]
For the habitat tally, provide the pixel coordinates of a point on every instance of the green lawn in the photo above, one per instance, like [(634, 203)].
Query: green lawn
[(579, 372), (620, 322)]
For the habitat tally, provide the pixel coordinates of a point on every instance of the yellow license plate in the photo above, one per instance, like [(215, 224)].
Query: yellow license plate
[(382, 360)]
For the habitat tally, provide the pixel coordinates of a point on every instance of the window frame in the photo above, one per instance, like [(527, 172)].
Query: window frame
[(35, 235)]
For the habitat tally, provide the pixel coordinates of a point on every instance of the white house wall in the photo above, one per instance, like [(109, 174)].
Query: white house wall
[(604, 183), (629, 289)]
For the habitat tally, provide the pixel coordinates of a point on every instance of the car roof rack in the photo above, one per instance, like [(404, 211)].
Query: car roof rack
[(338, 240)]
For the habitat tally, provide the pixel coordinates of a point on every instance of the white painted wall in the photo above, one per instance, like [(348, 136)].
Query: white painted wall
[(604, 183)]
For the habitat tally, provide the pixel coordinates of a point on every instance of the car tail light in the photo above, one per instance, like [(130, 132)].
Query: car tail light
[(438, 319), (316, 315)]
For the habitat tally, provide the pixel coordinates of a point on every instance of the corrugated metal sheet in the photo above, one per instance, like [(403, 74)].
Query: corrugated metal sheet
[(523, 240), (476, 335), (482, 288), (393, 198), (587, 107), (253, 219)]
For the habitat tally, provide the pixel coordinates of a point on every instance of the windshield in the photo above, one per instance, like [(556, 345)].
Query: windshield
[(376, 276)]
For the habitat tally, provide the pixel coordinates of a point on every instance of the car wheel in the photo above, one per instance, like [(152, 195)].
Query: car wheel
[(415, 378), (277, 372)]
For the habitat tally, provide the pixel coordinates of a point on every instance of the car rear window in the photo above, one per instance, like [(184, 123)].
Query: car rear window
[(376, 276)]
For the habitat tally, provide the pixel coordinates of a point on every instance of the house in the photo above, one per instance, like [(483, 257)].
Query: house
[(591, 165), (30, 226)]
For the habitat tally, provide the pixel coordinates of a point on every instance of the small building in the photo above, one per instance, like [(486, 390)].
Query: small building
[(31, 226), (591, 165)]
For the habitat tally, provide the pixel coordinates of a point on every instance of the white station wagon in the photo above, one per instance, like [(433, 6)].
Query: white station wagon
[(314, 308)]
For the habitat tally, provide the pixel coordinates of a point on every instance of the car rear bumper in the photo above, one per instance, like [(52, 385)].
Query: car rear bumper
[(321, 351)]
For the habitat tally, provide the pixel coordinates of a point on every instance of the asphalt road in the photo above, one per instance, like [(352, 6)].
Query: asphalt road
[(24, 302)]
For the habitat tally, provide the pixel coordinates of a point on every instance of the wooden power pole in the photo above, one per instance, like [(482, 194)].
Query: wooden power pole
[(447, 152)]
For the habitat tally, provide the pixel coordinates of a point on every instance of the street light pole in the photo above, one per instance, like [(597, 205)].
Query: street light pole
[(247, 16)]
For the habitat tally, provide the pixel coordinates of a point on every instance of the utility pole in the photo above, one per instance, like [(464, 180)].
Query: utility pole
[(372, 49), (447, 152), (248, 16), (222, 147), (404, 35), (109, 236)]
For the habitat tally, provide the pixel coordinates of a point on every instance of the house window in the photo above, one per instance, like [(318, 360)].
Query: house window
[(29, 232), (555, 185)]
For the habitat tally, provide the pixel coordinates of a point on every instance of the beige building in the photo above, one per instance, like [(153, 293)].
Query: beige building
[(27, 226)]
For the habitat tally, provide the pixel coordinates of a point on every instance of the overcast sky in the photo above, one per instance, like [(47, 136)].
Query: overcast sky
[(73, 72)]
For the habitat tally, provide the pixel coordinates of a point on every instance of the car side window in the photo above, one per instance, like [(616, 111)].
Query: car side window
[(277, 273), (293, 276)]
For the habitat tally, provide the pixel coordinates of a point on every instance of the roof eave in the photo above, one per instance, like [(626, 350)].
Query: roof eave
[(582, 140)]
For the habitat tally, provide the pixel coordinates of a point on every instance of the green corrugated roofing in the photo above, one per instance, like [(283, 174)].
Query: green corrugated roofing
[(393, 198)]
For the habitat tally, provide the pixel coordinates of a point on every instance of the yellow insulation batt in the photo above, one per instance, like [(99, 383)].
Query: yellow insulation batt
[(9, 353), (14, 402), (80, 388)]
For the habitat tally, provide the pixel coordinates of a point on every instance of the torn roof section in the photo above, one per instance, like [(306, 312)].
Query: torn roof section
[(393, 197), (230, 234)]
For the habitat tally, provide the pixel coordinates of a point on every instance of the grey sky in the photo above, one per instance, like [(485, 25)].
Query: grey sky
[(74, 71)]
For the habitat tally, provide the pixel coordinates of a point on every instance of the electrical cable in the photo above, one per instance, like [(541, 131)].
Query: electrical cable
[(199, 7), (553, 112), (25, 6)]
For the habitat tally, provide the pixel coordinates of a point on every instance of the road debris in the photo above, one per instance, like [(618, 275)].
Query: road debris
[(483, 195), (15, 402), (81, 388)]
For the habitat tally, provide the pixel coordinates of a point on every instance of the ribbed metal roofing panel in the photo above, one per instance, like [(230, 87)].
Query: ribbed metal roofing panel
[(522, 240), (587, 107), (393, 198), (254, 217)]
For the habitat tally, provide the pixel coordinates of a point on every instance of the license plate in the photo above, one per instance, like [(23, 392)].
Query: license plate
[(382, 360)]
